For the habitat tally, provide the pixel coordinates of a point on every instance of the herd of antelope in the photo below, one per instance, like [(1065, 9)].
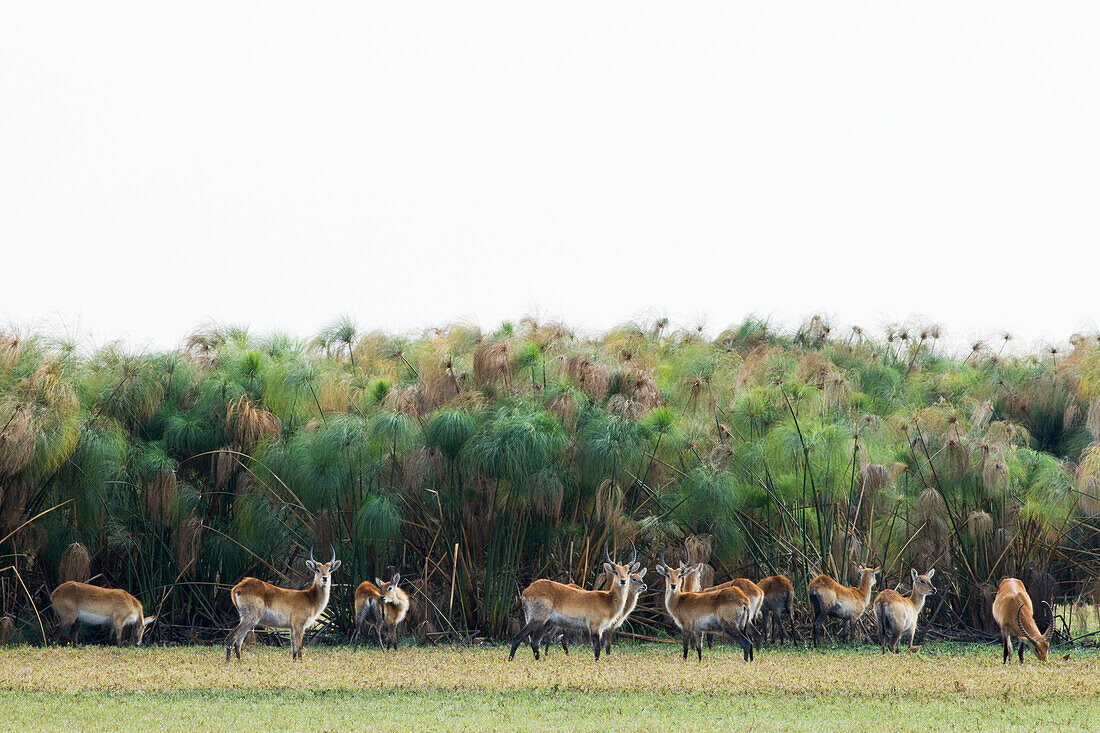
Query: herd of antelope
[(559, 611)]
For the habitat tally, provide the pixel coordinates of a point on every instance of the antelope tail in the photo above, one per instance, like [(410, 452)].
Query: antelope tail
[(883, 619), (815, 601), (361, 617)]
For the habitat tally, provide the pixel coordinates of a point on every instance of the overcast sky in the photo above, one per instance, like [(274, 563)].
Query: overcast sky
[(278, 164)]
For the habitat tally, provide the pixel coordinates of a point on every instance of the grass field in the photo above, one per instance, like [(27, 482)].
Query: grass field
[(640, 687)]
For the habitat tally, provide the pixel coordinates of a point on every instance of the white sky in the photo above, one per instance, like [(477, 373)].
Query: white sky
[(413, 163)]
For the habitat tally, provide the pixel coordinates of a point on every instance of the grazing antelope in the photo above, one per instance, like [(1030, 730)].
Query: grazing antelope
[(699, 612), (1014, 613), (75, 602), (547, 603), (382, 605), (264, 604), (755, 594), (830, 598), (897, 614), (778, 600)]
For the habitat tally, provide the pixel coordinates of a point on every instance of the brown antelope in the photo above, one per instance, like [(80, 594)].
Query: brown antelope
[(778, 600), (830, 598), (1015, 615), (264, 604), (547, 603), (755, 595), (897, 614), (381, 605), (637, 587), (693, 584), (700, 612), (76, 603), (558, 635)]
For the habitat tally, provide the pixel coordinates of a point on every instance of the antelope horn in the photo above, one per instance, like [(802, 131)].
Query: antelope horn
[(1020, 624), (687, 554), (311, 555), (333, 554), (607, 554), (635, 551), (663, 563)]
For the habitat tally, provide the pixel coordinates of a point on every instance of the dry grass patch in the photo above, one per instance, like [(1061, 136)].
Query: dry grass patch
[(974, 671)]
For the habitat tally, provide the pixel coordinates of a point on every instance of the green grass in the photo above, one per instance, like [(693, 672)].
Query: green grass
[(641, 687), (346, 710)]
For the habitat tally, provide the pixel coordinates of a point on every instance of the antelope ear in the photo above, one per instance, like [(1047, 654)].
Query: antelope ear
[(1046, 636), (609, 567), (915, 576), (148, 620), (662, 570), (396, 578), (378, 581), (634, 566), (311, 566), (335, 564), (642, 572), (930, 573)]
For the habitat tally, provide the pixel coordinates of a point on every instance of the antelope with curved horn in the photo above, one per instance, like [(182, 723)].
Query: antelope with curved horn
[(637, 587), (700, 612), (383, 605), (830, 598), (76, 603), (897, 614), (547, 603), (1015, 615), (264, 604)]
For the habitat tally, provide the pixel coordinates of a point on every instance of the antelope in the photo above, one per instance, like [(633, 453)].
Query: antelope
[(699, 612), (260, 603), (1014, 613), (547, 603), (637, 587), (558, 635), (693, 584), (755, 596), (778, 599), (75, 602), (382, 605), (830, 598), (897, 614)]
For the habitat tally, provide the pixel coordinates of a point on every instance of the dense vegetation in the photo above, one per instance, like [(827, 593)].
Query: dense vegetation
[(474, 462)]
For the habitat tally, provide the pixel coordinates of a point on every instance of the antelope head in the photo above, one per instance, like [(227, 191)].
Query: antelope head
[(621, 573), (389, 589), (139, 633), (675, 577), (922, 584), (322, 571), (1040, 646), (868, 574)]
